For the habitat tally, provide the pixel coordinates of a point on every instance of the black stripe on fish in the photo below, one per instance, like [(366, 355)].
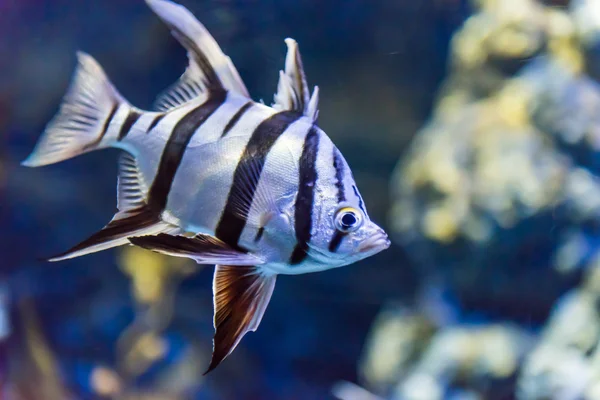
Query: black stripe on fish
[(259, 234), (131, 118), (236, 117), (176, 146), (360, 201), (105, 126), (155, 122), (306, 196), (112, 113), (233, 219), (339, 175), (212, 79), (336, 241)]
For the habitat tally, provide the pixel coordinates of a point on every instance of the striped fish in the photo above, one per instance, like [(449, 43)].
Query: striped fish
[(213, 176)]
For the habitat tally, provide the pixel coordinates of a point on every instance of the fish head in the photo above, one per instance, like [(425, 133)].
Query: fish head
[(358, 237), (343, 232)]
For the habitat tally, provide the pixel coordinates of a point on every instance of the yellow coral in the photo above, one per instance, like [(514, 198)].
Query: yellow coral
[(512, 104), (149, 271), (439, 223)]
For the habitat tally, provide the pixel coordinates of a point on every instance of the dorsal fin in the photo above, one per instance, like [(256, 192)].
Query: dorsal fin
[(292, 89), (188, 87), (209, 68), (312, 110), (131, 189)]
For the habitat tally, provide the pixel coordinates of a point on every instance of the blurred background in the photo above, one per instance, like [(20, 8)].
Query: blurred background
[(473, 130)]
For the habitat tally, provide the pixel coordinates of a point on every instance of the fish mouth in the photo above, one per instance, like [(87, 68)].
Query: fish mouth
[(374, 244)]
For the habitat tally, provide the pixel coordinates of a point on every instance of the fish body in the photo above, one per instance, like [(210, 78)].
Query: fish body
[(216, 177)]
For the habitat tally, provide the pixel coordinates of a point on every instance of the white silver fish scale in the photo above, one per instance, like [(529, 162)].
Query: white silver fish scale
[(279, 183), (203, 179)]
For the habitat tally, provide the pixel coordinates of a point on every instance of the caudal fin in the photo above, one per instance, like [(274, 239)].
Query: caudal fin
[(83, 119)]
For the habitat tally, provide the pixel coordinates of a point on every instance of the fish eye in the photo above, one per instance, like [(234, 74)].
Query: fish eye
[(348, 219)]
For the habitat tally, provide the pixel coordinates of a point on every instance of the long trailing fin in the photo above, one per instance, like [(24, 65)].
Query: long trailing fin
[(83, 119), (240, 298), (142, 221), (134, 217), (209, 68), (292, 89), (204, 249)]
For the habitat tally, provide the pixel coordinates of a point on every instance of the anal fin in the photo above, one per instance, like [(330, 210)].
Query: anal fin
[(138, 222), (132, 188), (240, 296), (134, 218), (204, 249)]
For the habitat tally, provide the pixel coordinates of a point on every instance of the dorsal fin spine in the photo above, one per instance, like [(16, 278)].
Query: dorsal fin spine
[(292, 88)]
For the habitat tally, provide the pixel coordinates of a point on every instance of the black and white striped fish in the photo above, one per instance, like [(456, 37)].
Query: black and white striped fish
[(216, 177)]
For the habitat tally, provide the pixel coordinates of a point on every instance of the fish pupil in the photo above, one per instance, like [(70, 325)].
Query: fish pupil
[(348, 220)]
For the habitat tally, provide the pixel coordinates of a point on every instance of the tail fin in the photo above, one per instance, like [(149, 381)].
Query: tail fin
[(83, 118)]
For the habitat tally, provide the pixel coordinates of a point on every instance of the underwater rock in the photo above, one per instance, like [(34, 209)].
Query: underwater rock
[(565, 107), (481, 169), (586, 18), (565, 361), (498, 199), (486, 179), (410, 355), (396, 336), (492, 45), (413, 354), (475, 357)]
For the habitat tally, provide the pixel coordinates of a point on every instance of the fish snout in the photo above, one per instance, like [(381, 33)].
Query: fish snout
[(374, 243)]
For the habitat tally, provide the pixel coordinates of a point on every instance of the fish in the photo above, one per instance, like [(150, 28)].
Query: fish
[(211, 175)]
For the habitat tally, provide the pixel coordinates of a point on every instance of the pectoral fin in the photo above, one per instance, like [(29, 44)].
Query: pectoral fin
[(241, 295), (204, 249)]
